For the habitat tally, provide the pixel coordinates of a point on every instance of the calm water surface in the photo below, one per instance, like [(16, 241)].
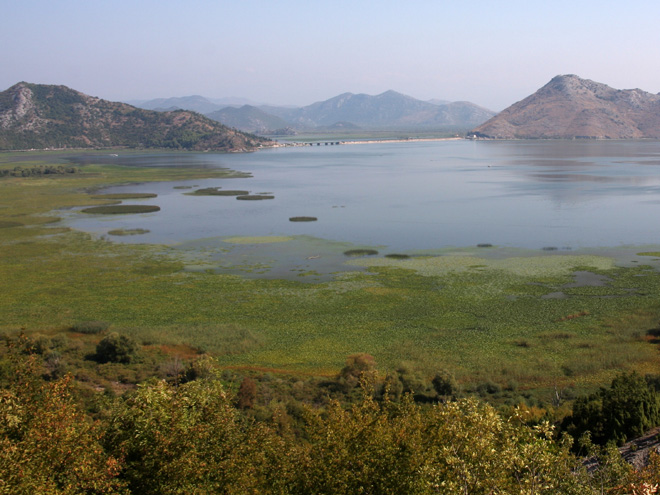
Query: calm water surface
[(417, 195)]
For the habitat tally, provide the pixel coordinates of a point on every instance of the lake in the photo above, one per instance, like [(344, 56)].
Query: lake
[(415, 195)]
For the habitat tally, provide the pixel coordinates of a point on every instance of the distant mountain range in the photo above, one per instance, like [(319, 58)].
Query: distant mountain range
[(569, 107), (250, 118), (37, 116), (389, 110), (195, 103)]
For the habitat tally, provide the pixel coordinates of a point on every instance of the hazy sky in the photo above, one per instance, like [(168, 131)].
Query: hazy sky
[(492, 53)]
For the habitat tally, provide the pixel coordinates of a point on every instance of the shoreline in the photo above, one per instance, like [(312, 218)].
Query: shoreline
[(333, 142)]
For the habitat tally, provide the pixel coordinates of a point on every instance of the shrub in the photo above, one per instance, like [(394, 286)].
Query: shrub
[(116, 348), (444, 383), (356, 366)]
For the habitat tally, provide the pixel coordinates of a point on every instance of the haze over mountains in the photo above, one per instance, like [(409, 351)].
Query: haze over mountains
[(35, 116), (570, 107), (388, 110)]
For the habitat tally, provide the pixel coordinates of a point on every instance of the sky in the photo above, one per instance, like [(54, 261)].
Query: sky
[(291, 52)]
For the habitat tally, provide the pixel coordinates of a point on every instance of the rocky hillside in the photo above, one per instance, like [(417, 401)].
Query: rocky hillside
[(35, 116), (569, 107)]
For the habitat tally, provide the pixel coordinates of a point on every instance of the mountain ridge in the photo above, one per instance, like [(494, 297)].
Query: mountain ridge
[(388, 110), (38, 116)]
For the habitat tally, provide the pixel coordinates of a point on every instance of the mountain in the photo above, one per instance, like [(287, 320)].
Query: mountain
[(249, 118), (233, 101), (386, 110), (36, 116), (569, 107), (195, 103)]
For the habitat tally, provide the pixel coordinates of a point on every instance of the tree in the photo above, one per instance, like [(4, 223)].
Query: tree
[(444, 384), (626, 410), (47, 444), (247, 393), (191, 439), (116, 348)]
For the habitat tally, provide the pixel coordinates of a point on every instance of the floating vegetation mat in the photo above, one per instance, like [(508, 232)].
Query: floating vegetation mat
[(258, 240), (303, 219), (396, 256), (128, 231), (526, 266), (125, 196), (216, 191), (120, 209), (6, 224), (650, 253), (255, 197), (360, 252)]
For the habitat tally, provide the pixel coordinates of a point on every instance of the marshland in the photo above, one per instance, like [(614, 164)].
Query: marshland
[(394, 264)]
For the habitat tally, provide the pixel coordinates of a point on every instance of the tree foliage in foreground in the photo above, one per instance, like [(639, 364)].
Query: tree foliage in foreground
[(47, 444), (191, 438)]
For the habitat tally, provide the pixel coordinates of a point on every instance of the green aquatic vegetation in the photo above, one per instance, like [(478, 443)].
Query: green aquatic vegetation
[(360, 252), (650, 253), (258, 240), (120, 209), (122, 232), (396, 256), (303, 219), (255, 197), (460, 312), (125, 196), (7, 224), (216, 191), (530, 266), (90, 327)]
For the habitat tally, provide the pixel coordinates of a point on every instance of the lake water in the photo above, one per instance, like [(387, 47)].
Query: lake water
[(414, 195)]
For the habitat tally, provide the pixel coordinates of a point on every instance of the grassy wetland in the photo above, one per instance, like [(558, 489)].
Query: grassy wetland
[(523, 322)]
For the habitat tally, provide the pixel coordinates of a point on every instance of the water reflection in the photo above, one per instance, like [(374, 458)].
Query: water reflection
[(414, 195)]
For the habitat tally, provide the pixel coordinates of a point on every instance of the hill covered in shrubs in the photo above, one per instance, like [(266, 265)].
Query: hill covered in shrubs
[(37, 116)]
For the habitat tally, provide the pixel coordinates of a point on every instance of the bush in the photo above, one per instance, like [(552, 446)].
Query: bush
[(444, 384), (116, 348), (356, 366)]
